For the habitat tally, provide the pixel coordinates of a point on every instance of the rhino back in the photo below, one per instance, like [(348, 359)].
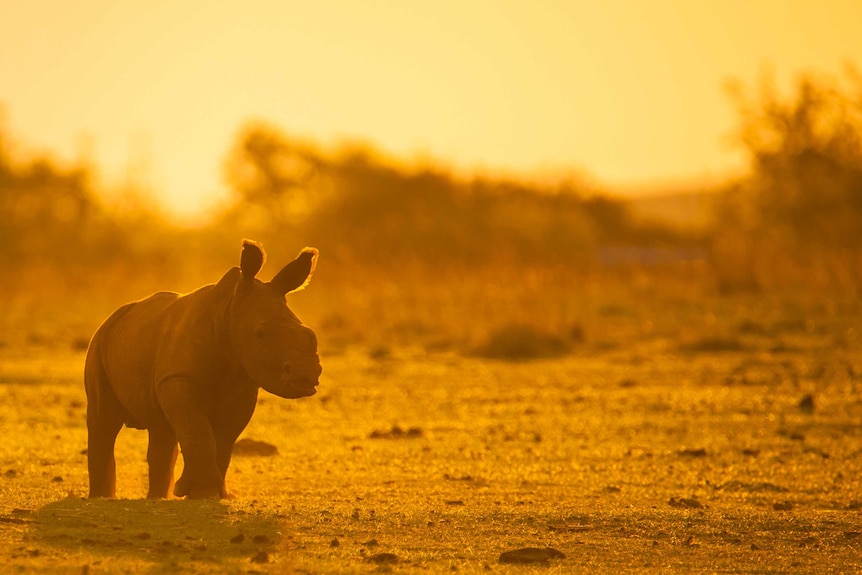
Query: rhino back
[(152, 342), (125, 346)]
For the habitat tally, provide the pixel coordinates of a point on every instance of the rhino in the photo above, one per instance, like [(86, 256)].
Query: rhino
[(187, 368)]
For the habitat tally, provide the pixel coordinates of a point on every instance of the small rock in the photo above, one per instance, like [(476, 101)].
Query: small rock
[(528, 555), (80, 343), (261, 539), (261, 557), (806, 404), (143, 536), (254, 448), (683, 503), (396, 433), (448, 477), (57, 479), (334, 543), (383, 558), (237, 538), (699, 452), (786, 506), (371, 543)]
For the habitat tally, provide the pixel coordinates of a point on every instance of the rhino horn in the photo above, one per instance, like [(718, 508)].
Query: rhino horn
[(296, 275), (252, 259)]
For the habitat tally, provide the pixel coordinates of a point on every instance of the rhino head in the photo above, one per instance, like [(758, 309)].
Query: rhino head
[(275, 349)]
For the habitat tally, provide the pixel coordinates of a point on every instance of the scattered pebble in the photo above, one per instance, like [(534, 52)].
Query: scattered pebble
[(334, 543), (699, 452), (384, 558), (237, 538), (448, 477), (529, 555), (683, 503), (397, 433), (806, 404), (254, 448)]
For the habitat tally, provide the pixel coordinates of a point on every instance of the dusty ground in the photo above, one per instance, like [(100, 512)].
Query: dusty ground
[(740, 454)]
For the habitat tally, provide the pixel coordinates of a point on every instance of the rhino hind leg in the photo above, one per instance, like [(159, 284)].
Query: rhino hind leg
[(161, 458), (105, 418)]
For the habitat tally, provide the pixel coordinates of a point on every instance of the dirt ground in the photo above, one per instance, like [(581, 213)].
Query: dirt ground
[(740, 455)]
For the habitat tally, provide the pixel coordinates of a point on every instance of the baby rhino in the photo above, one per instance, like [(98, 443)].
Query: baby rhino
[(187, 368)]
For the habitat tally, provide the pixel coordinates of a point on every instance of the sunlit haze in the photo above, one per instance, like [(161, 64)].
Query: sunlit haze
[(630, 92)]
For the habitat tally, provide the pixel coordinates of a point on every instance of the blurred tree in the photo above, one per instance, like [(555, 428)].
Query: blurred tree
[(45, 209), (802, 201), (357, 204), (273, 172), (54, 219), (806, 158)]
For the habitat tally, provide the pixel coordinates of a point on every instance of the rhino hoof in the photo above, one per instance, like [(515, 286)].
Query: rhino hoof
[(181, 489), (205, 493)]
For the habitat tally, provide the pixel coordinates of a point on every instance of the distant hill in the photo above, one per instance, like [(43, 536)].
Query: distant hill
[(689, 209)]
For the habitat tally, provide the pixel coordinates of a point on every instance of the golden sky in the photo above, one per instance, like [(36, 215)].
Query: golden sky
[(630, 91)]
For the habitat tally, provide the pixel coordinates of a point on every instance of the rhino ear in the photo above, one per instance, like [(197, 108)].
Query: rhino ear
[(252, 259), (296, 275)]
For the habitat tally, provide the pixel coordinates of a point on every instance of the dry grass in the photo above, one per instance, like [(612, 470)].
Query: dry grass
[(644, 448)]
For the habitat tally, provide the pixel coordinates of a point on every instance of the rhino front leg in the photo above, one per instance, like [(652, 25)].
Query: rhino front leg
[(184, 410), (161, 458)]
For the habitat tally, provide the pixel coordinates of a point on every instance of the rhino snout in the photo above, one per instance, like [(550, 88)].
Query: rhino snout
[(298, 373)]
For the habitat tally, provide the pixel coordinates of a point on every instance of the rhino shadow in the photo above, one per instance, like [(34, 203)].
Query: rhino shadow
[(163, 533)]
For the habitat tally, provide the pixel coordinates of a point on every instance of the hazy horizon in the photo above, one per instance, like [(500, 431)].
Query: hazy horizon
[(628, 93)]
